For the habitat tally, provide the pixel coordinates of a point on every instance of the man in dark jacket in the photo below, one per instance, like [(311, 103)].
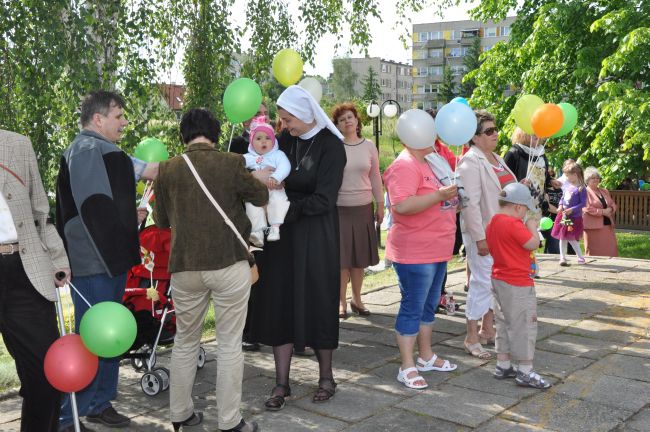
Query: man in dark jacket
[(97, 219)]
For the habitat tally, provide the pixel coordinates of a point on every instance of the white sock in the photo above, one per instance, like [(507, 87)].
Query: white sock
[(527, 368), (504, 364), (575, 244), (563, 249)]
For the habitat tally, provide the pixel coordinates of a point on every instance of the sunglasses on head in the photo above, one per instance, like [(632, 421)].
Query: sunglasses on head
[(489, 131)]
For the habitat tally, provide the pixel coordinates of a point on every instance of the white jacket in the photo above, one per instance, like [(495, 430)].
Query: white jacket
[(275, 159)]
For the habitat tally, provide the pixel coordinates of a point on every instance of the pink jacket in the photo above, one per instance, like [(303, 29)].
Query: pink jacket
[(592, 217), (482, 188)]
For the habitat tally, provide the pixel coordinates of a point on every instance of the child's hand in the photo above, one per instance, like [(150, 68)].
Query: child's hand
[(272, 183), (568, 212)]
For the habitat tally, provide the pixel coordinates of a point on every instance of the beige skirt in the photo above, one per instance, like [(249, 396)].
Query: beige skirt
[(358, 237)]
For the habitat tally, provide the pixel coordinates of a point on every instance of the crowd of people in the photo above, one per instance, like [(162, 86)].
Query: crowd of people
[(308, 192)]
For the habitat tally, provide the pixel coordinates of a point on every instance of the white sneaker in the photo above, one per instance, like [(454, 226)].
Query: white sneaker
[(257, 238), (274, 233)]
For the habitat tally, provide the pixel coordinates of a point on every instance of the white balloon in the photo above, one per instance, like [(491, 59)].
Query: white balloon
[(416, 129), (390, 110), (373, 110), (313, 87)]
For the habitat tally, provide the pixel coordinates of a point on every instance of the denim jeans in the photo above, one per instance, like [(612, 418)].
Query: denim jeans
[(420, 286), (98, 395)]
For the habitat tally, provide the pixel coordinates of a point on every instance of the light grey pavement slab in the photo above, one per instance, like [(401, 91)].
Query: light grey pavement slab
[(593, 345)]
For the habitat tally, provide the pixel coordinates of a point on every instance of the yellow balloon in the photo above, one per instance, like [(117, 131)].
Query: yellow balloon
[(287, 67), (139, 188), (523, 112)]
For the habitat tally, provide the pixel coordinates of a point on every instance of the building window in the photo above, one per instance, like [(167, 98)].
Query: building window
[(421, 72), (422, 36), (491, 32), (420, 54), (436, 35), (487, 47), (435, 70), (505, 31), (456, 52), (435, 53), (458, 70)]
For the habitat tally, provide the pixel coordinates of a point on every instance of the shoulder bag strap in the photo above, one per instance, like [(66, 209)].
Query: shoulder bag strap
[(214, 202)]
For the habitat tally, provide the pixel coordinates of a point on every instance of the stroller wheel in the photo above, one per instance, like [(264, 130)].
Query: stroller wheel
[(151, 383), (138, 364), (201, 359), (164, 374)]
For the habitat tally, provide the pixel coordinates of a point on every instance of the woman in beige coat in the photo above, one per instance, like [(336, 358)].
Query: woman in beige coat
[(484, 174)]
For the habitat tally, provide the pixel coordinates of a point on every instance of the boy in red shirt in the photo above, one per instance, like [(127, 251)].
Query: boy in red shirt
[(512, 244)]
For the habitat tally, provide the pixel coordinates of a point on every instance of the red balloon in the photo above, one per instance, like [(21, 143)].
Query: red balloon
[(69, 366)]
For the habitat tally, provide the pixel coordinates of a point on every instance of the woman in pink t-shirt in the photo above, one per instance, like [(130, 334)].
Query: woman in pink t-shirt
[(420, 243)]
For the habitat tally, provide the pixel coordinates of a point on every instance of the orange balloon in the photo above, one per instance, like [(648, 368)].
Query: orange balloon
[(547, 120)]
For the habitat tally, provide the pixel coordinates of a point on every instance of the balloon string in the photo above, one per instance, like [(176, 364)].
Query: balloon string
[(77, 291), (232, 132)]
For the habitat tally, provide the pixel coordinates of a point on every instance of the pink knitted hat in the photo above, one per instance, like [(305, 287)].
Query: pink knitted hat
[(259, 124)]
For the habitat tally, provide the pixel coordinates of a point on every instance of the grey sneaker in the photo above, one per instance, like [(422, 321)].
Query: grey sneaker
[(501, 373), (531, 379)]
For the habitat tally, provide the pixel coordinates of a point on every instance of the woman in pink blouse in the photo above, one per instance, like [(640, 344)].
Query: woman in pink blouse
[(598, 218), (361, 184)]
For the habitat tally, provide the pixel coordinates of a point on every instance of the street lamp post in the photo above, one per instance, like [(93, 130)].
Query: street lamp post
[(390, 108)]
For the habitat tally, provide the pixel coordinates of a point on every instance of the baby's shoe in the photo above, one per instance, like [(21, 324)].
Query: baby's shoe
[(274, 233), (257, 238)]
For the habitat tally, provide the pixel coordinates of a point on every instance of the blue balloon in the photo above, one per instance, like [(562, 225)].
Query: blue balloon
[(460, 99), (455, 124), (641, 183)]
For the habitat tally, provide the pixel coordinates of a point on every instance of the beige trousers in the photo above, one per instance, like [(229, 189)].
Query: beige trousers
[(515, 313), (191, 291)]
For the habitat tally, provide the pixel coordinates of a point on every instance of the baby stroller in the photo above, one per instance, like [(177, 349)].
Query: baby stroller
[(148, 296)]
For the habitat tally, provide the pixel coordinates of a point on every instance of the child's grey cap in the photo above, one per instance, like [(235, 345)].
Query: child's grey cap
[(517, 193)]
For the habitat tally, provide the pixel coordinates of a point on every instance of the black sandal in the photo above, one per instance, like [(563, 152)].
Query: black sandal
[(277, 402), (324, 393), (194, 420)]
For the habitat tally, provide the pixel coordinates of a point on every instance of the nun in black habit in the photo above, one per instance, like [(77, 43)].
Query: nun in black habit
[(295, 303)]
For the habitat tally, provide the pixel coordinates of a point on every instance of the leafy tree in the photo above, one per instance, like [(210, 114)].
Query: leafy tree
[(448, 87), (591, 54), (471, 62), (343, 79), (52, 53), (371, 90)]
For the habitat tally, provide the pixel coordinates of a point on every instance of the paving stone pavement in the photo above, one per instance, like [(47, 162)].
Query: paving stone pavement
[(593, 345)]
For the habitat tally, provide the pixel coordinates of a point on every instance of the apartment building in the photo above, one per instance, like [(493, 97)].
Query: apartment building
[(445, 44), (395, 79)]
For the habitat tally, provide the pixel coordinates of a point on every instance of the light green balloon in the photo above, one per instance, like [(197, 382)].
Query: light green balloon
[(523, 111), (108, 329), (242, 100), (545, 223), (151, 150), (570, 119)]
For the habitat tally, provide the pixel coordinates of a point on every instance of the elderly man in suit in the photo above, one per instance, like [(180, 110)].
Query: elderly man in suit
[(31, 253)]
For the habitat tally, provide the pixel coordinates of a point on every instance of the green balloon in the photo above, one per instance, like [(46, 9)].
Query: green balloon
[(570, 119), (242, 100), (545, 223), (523, 111), (151, 150), (646, 187), (108, 329)]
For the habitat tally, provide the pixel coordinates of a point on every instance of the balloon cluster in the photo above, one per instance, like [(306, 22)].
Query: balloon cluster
[(107, 329), (544, 120), (455, 125), (243, 97)]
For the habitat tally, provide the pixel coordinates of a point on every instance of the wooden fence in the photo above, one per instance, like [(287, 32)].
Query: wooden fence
[(633, 209)]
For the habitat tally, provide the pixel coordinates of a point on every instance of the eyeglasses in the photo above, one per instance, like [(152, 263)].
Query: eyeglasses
[(489, 131)]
